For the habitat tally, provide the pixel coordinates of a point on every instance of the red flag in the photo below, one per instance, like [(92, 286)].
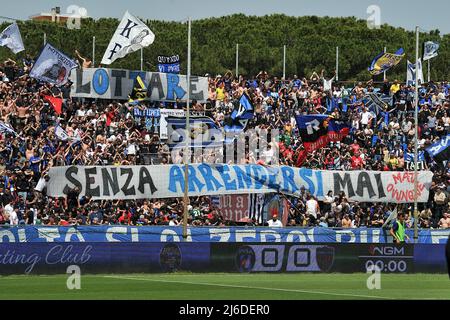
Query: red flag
[(286, 208), (55, 102), (109, 117), (301, 157)]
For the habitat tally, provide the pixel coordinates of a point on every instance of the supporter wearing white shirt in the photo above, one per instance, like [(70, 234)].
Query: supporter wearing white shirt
[(132, 149), (13, 218), (366, 116), (9, 209), (312, 207), (268, 154), (81, 112), (337, 93), (275, 223)]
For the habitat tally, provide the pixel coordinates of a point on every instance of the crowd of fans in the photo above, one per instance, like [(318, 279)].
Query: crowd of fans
[(109, 133)]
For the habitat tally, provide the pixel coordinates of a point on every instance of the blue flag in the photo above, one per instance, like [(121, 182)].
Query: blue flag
[(440, 150), (337, 130), (385, 61), (245, 109), (313, 130), (239, 118)]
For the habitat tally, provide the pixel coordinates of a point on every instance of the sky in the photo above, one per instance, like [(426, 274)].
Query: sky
[(429, 15)]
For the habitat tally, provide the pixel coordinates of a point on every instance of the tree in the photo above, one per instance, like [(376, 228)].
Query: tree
[(310, 40)]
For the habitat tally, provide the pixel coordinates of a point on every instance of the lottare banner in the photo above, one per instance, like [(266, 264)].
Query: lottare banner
[(103, 83)]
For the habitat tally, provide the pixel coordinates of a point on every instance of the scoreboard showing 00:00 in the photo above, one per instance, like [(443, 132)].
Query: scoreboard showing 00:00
[(388, 258)]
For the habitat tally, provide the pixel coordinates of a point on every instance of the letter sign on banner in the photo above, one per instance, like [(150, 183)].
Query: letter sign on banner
[(167, 181), (118, 84)]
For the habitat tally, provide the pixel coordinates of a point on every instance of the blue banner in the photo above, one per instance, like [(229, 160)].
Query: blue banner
[(409, 157), (204, 234), (169, 68)]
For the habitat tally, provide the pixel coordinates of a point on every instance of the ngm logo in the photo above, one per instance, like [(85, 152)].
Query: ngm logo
[(387, 251), (276, 258)]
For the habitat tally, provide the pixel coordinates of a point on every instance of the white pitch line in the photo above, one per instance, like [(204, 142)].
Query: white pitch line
[(249, 287)]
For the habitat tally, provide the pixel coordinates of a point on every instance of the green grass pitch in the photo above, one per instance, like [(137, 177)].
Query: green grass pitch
[(221, 286)]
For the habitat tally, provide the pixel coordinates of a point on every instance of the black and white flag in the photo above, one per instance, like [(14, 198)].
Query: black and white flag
[(53, 66), (11, 38), (411, 74), (256, 207), (131, 35), (7, 129), (430, 50)]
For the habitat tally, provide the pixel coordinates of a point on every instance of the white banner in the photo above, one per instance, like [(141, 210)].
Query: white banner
[(11, 38), (163, 135), (52, 66), (118, 83), (167, 181), (411, 74), (131, 35)]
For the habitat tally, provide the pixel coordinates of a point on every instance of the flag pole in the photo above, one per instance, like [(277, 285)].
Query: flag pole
[(45, 38), (142, 58), (337, 63), (429, 70), (416, 119), (384, 73), (237, 61), (187, 139), (284, 62), (93, 51)]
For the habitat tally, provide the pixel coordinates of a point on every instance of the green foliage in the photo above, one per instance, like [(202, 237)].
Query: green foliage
[(311, 43)]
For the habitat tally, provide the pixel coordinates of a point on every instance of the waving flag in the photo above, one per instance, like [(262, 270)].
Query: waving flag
[(6, 129), (203, 132), (245, 109), (52, 66), (430, 50), (313, 130), (61, 134), (376, 103), (55, 102), (440, 150), (411, 74), (11, 38), (385, 61), (131, 35), (337, 130), (317, 130), (239, 118)]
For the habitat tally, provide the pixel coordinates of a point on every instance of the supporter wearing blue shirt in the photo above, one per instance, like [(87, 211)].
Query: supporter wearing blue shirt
[(35, 162)]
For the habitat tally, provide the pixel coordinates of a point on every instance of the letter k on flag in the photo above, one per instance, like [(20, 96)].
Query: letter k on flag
[(131, 35)]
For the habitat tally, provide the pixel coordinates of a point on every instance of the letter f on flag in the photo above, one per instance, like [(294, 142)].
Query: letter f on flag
[(131, 35)]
